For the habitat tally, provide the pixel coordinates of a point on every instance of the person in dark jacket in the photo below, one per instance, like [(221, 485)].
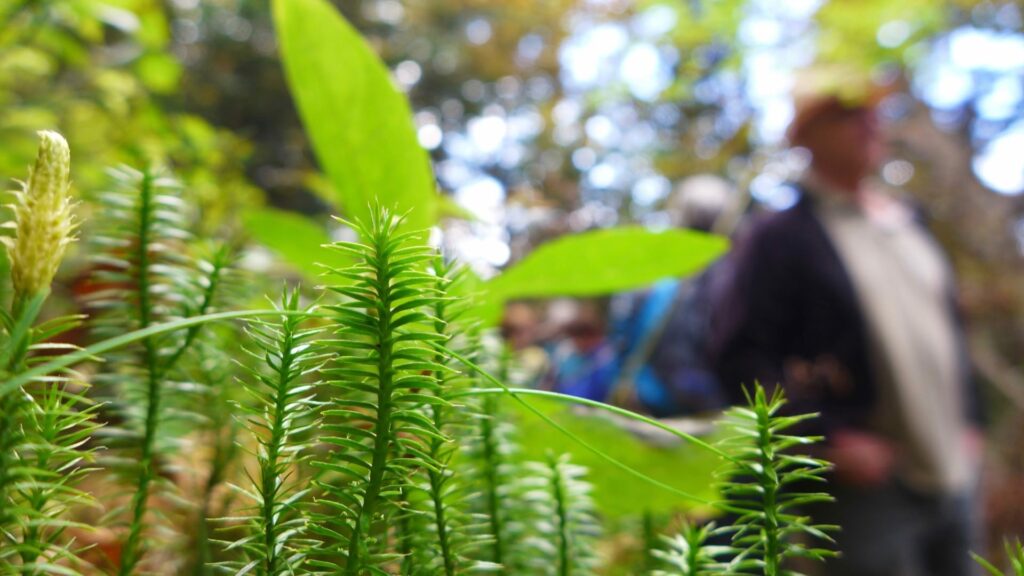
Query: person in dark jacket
[(848, 302)]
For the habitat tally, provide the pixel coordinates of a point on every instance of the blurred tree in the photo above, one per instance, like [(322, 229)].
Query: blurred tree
[(101, 73)]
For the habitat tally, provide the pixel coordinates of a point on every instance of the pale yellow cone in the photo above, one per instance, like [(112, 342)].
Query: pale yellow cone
[(43, 222)]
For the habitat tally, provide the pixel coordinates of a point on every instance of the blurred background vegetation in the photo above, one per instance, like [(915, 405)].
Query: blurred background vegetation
[(544, 117)]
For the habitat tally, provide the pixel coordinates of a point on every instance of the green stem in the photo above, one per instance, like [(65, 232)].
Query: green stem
[(436, 477), (770, 487), (382, 428), (140, 500), (10, 439), (492, 461), (562, 517), (405, 537), (436, 487), (130, 555), (37, 500), (277, 438), (25, 310), (650, 542), (693, 555), (212, 284), (156, 369)]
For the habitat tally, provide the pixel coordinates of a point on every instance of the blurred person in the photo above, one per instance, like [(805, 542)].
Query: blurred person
[(661, 332), (584, 361), (848, 302), (520, 327), (521, 333)]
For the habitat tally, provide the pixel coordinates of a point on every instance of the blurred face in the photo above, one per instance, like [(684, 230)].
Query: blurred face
[(519, 325), (586, 330), (845, 143)]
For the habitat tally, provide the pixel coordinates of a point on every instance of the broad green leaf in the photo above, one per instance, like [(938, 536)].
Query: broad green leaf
[(616, 493), (607, 261), (359, 123), (296, 239)]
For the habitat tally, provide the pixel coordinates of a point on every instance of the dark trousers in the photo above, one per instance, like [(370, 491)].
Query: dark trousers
[(893, 531)]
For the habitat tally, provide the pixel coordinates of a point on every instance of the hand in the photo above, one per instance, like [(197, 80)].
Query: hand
[(861, 459), (974, 439)]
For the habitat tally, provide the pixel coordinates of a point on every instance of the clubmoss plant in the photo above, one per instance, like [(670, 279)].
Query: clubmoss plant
[(145, 275), (356, 468), (208, 376), (570, 525), (381, 377), (504, 497), (439, 529), (45, 422), (279, 416), (766, 486), (689, 553)]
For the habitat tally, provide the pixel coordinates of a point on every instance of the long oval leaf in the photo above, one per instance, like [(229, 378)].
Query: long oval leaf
[(607, 261), (359, 123)]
